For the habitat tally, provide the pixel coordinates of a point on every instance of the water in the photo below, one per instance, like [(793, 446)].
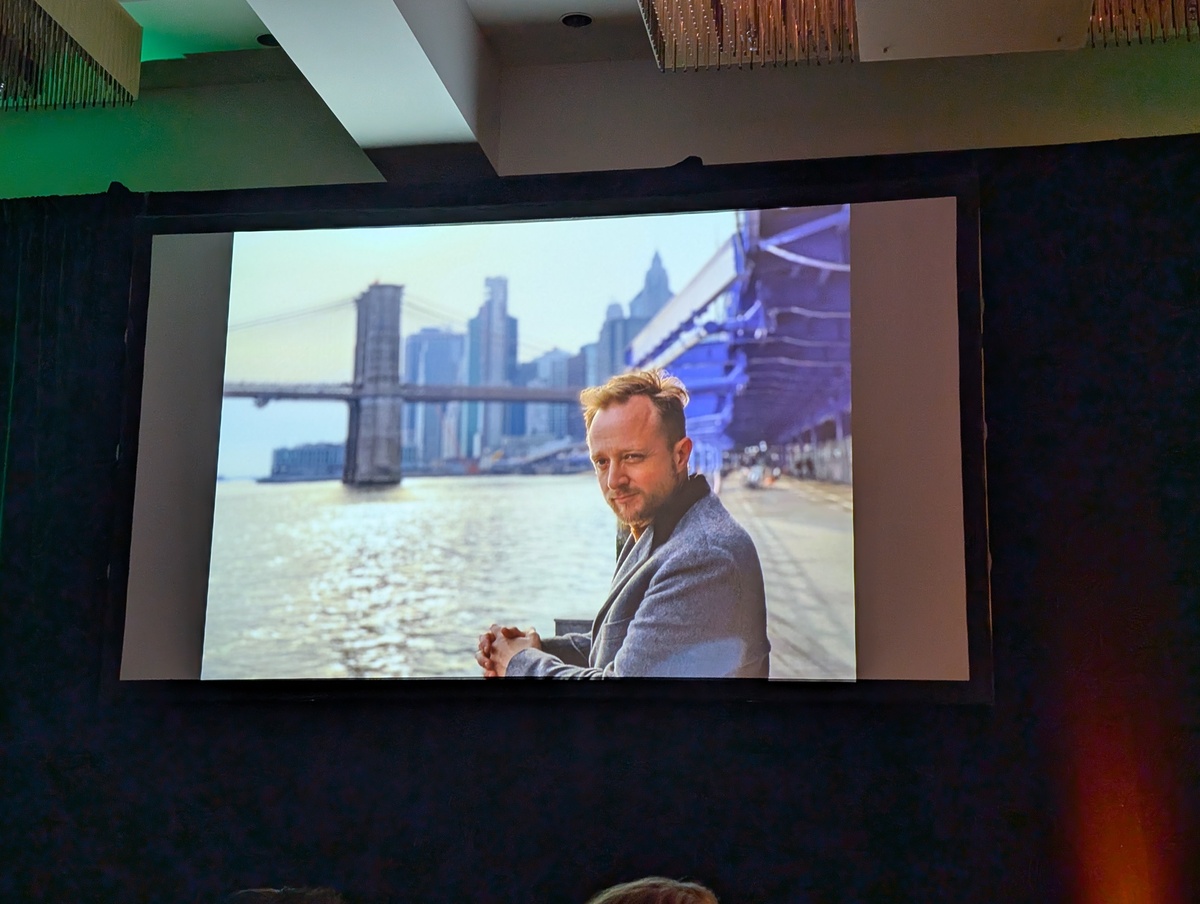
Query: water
[(321, 580)]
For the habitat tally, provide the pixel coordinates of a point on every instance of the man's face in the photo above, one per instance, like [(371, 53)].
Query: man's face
[(638, 470)]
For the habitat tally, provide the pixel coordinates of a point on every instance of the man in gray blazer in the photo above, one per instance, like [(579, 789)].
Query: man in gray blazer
[(687, 598)]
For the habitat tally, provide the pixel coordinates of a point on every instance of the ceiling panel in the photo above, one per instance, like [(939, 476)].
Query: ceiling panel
[(366, 61)]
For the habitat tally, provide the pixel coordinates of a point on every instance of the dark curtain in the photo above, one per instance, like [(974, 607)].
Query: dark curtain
[(1077, 783), (64, 301)]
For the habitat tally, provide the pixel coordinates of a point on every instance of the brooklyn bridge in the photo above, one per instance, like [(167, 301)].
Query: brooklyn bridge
[(374, 441)]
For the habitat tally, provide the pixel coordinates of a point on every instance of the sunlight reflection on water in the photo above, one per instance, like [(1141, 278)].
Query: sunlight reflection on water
[(321, 580)]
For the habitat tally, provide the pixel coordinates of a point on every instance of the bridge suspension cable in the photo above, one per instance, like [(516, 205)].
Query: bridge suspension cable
[(413, 303), (291, 315)]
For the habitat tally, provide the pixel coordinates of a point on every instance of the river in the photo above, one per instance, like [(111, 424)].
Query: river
[(321, 580)]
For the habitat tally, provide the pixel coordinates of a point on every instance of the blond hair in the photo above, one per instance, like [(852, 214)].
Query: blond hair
[(655, 890), (668, 394)]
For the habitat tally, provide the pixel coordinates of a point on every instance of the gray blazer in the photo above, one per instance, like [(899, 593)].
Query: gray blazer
[(687, 601)]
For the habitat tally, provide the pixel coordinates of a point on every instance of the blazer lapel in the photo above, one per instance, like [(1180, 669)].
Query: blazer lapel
[(632, 556)]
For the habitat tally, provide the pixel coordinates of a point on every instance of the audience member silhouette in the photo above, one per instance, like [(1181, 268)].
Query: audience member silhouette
[(286, 896), (655, 890), (650, 890)]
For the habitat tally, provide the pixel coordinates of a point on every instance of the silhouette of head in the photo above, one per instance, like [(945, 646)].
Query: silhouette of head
[(655, 890), (286, 896)]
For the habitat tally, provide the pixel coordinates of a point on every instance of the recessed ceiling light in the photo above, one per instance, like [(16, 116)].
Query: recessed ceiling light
[(576, 20), (268, 40)]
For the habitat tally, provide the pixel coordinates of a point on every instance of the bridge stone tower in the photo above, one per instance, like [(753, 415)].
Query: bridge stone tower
[(373, 444)]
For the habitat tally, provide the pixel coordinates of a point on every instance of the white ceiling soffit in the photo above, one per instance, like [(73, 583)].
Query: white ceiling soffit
[(914, 29), (394, 72)]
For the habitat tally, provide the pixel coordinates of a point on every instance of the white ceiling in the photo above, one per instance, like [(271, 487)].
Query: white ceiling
[(412, 72), (388, 81), (173, 28)]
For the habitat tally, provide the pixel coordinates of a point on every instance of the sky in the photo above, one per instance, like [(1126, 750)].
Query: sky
[(291, 314), (562, 275)]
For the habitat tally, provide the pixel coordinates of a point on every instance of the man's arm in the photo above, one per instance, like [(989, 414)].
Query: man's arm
[(540, 664), (572, 649), (700, 618)]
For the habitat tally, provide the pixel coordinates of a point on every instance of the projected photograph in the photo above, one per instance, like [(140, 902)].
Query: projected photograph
[(403, 461)]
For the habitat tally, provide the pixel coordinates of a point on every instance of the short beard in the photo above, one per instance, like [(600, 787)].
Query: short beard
[(625, 528), (624, 532)]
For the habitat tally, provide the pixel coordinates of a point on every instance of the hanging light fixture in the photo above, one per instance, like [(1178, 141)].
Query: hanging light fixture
[(1117, 23), (716, 34), (67, 53)]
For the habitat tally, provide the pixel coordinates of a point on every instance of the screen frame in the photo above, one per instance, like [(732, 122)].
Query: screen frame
[(687, 187)]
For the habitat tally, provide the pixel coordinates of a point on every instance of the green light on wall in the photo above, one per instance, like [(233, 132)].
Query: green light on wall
[(157, 45), (164, 45)]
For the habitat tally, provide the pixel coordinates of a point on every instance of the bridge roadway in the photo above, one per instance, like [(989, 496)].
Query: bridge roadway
[(408, 392)]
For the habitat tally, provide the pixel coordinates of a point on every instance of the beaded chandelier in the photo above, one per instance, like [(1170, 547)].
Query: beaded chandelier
[(67, 53), (717, 34), (1120, 22)]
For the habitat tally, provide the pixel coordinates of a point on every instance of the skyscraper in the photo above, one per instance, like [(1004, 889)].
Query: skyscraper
[(610, 347), (491, 360), (580, 372), (618, 330), (545, 419), (431, 357), (656, 292)]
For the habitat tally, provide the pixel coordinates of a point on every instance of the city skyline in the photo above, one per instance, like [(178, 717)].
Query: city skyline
[(286, 328), (562, 275)]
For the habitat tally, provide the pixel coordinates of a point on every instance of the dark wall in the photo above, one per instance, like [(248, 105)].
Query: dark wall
[(1074, 786)]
